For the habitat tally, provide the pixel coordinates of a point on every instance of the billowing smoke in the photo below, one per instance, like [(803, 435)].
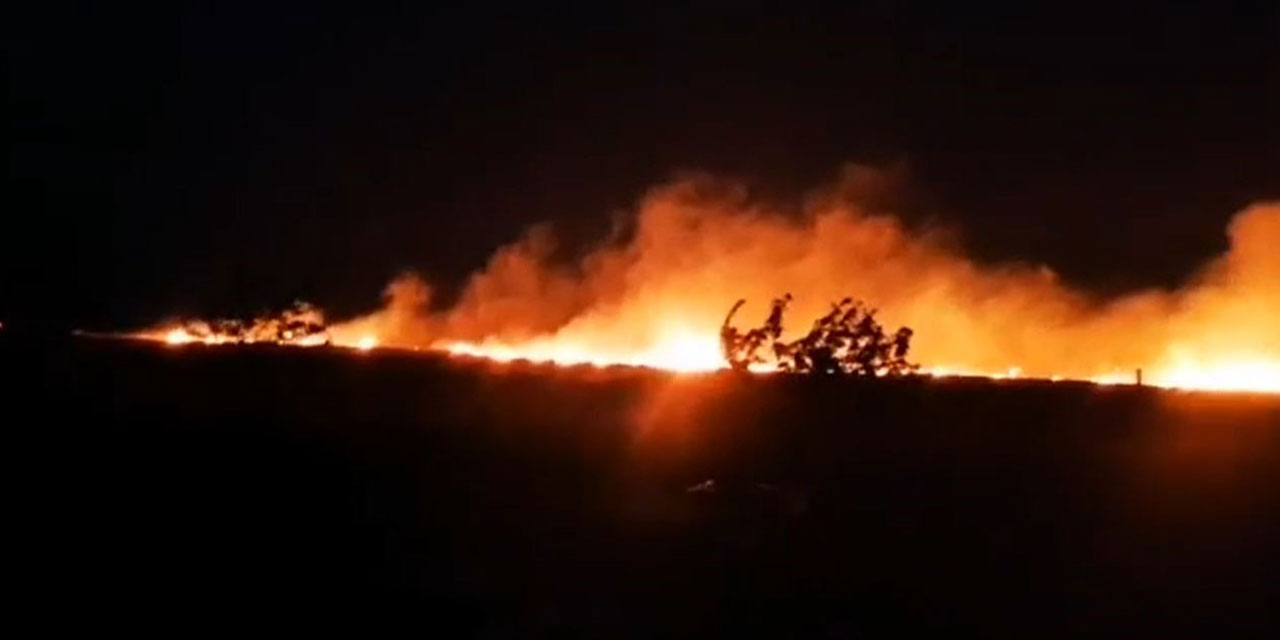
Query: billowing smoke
[(659, 294)]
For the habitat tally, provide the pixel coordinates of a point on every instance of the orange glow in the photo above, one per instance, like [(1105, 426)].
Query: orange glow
[(197, 332), (302, 326), (679, 349), (656, 295), (178, 336), (1225, 375), (682, 350), (181, 336)]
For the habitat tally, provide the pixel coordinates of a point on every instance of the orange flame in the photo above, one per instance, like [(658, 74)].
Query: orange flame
[(657, 296)]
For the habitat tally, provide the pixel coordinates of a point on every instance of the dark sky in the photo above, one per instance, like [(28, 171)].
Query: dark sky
[(225, 156)]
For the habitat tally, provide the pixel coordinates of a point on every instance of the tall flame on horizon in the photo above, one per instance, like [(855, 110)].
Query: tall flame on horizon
[(657, 296)]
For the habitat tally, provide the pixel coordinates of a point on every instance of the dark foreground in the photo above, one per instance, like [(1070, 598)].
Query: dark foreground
[(194, 488)]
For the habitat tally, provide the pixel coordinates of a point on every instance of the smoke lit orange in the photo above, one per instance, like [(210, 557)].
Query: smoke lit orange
[(657, 296)]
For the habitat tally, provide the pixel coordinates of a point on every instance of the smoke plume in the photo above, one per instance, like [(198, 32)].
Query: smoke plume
[(698, 245)]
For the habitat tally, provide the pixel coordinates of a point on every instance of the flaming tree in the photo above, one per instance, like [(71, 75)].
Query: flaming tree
[(847, 340)]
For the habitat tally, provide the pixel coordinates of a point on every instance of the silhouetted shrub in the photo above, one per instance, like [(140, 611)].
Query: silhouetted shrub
[(847, 340)]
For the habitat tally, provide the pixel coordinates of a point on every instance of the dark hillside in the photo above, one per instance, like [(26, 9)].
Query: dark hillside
[(201, 486)]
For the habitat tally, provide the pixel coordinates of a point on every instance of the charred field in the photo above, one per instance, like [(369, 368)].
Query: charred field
[(330, 486)]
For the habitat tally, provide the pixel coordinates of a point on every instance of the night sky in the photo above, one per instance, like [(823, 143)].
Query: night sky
[(221, 157)]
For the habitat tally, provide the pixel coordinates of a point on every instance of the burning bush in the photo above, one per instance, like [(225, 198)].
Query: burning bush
[(847, 340), (302, 324)]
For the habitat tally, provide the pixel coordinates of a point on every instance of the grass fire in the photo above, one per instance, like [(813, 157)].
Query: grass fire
[(643, 320), (656, 297)]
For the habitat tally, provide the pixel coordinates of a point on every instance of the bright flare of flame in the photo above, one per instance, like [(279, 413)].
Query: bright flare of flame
[(178, 336), (1227, 375), (680, 350), (181, 336)]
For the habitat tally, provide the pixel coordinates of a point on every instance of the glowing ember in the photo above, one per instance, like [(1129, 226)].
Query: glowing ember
[(178, 336)]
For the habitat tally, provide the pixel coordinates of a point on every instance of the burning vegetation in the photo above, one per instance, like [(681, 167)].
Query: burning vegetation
[(654, 295), (847, 340), (301, 325)]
